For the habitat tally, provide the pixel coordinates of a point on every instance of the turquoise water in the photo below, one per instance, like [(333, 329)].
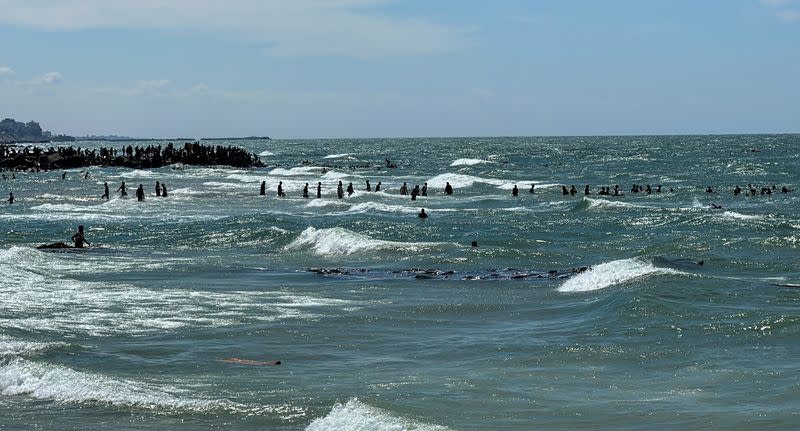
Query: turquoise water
[(131, 334)]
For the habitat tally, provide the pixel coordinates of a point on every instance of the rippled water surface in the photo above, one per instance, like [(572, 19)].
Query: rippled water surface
[(686, 317)]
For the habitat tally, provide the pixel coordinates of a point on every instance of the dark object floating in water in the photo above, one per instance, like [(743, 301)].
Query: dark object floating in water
[(436, 274), (58, 246), (249, 362)]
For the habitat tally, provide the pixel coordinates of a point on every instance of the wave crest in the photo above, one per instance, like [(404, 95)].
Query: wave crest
[(340, 241), (357, 416), (612, 273)]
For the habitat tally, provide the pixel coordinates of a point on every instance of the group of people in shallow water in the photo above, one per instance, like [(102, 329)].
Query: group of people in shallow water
[(161, 191)]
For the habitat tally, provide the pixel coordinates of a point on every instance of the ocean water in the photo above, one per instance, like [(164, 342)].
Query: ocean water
[(384, 321)]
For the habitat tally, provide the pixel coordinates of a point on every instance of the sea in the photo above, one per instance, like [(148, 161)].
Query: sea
[(673, 310)]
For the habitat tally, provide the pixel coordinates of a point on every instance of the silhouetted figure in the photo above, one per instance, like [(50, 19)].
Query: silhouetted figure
[(448, 189), (572, 190), (340, 190), (424, 189), (158, 189), (785, 189), (422, 214), (404, 189), (163, 190), (140, 193), (514, 191), (564, 191), (305, 191), (11, 198), (123, 190), (79, 238), (532, 187), (647, 189), (280, 189), (350, 190), (105, 192), (474, 244), (369, 188), (64, 175), (319, 189), (586, 191), (709, 189), (415, 192), (263, 190), (86, 175), (737, 190), (658, 188), (378, 187)]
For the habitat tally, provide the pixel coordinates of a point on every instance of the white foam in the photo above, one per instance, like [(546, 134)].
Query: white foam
[(39, 295), (357, 416), (300, 170), (608, 203), (266, 153), (244, 178), (460, 181), (13, 347), (337, 156), (321, 203), (377, 206), (738, 216), (468, 162), (21, 377), (340, 241), (612, 273)]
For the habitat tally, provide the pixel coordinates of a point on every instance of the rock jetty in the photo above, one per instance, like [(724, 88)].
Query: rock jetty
[(151, 156)]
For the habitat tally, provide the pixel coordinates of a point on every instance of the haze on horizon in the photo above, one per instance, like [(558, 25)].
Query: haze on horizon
[(384, 68)]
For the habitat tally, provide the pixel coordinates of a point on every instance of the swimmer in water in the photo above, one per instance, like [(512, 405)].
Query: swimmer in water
[(404, 189), (340, 190), (263, 190), (350, 190), (515, 191), (140, 193), (532, 187), (378, 187), (123, 190), (163, 190), (422, 213), (448, 189), (64, 175), (369, 188), (280, 189), (105, 192), (737, 190), (305, 191), (158, 189), (709, 189), (11, 198), (564, 190), (425, 189), (586, 191), (319, 189), (572, 190), (415, 192), (79, 238)]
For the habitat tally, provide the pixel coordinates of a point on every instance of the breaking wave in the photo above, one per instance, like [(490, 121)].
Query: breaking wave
[(357, 416), (340, 241), (468, 162), (612, 273)]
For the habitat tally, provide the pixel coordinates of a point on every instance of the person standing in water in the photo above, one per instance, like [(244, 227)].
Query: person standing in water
[(140, 193), (515, 191), (448, 189), (280, 189), (105, 192), (340, 190), (263, 190), (425, 189), (305, 191), (123, 190), (350, 190), (319, 189), (158, 189), (422, 214), (79, 238), (531, 190), (163, 190), (404, 189), (64, 175), (378, 187), (369, 188), (11, 198)]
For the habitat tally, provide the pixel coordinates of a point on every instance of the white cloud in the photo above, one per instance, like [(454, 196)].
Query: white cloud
[(289, 28), (6, 71), (47, 79)]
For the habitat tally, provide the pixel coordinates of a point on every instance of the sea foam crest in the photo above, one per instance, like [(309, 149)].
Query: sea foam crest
[(337, 156), (612, 273), (357, 416), (460, 181), (468, 162), (13, 347), (65, 385), (339, 241)]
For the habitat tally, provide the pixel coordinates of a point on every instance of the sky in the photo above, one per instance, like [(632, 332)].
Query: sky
[(401, 68)]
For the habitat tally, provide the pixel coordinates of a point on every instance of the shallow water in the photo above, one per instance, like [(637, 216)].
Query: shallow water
[(132, 333)]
